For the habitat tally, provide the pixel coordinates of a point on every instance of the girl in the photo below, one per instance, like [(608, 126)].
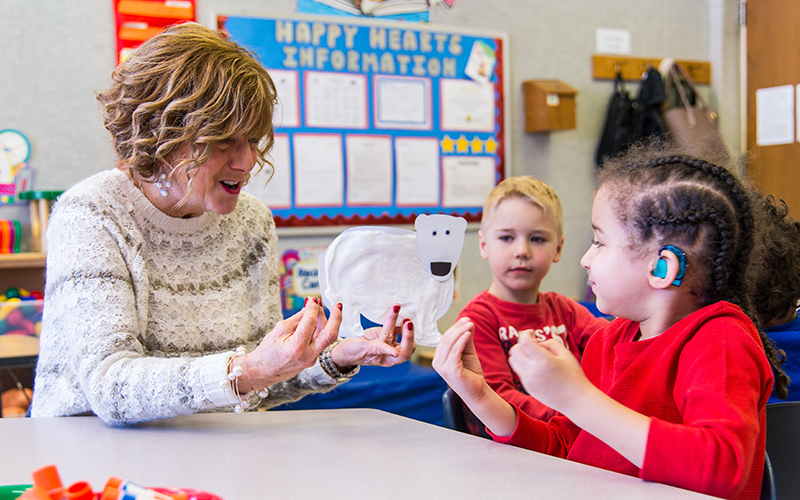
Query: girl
[(675, 389)]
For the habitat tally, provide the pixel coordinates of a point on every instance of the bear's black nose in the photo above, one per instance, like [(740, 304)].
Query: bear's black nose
[(440, 268)]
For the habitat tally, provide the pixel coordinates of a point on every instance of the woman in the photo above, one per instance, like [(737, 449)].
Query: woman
[(162, 291)]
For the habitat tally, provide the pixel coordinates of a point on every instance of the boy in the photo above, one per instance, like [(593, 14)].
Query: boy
[(521, 236)]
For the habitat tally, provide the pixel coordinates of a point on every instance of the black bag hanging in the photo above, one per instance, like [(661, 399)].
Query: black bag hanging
[(650, 98), (619, 130)]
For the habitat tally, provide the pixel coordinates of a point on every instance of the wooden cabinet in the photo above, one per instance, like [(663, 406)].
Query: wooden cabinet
[(549, 105)]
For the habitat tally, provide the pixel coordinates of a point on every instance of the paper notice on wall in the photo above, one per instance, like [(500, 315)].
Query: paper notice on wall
[(775, 120), (287, 110), (336, 100), (417, 166), (277, 193), (369, 169), (613, 41), (467, 180), (318, 170), (467, 106), (403, 102), (480, 66)]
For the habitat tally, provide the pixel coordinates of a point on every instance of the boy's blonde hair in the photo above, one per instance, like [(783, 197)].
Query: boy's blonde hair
[(527, 188)]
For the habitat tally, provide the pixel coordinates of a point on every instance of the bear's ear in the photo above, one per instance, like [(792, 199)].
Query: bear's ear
[(419, 222)]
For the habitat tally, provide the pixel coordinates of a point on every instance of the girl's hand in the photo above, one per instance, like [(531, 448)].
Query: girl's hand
[(456, 361), (548, 371), (378, 346), (551, 374), (292, 346)]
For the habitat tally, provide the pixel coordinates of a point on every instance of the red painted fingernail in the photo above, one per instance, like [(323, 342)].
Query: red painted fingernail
[(306, 302), (405, 320), (396, 308), (318, 301), (339, 306), (410, 326)]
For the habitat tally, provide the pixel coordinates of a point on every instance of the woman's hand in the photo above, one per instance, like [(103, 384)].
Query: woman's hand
[(292, 346), (378, 346), (457, 362), (548, 371)]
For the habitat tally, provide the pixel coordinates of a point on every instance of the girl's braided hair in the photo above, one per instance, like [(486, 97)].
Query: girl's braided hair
[(701, 208)]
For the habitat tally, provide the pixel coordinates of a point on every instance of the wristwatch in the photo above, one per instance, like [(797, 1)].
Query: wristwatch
[(330, 367)]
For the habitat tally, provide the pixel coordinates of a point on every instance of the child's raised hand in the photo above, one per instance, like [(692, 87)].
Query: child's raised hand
[(456, 361), (548, 371)]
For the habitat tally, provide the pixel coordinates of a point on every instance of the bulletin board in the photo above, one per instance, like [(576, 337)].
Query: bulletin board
[(377, 121)]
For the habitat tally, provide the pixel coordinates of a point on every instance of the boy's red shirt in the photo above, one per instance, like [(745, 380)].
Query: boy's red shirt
[(497, 323)]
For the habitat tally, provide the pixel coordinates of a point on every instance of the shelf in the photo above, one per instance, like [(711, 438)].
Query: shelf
[(22, 260), (604, 67)]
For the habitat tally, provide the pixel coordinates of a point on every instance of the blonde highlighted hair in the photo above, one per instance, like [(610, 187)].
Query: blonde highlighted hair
[(187, 87), (530, 189)]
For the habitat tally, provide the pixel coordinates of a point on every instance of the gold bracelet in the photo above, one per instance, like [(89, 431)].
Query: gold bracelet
[(246, 401)]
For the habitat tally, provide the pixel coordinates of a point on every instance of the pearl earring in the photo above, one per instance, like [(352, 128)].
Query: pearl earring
[(163, 185)]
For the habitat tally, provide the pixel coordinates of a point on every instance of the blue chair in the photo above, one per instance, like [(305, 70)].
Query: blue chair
[(768, 483), (783, 447), (453, 411), (457, 416)]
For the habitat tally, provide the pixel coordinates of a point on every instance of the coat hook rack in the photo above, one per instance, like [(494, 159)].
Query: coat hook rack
[(605, 67)]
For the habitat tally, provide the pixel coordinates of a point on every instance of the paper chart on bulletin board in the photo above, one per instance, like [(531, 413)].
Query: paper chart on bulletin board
[(378, 121)]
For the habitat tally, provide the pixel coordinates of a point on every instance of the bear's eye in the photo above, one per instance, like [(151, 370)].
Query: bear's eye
[(433, 232), (447, 231)]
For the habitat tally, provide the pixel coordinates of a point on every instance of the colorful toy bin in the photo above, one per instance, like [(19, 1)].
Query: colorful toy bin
[(21, 312)]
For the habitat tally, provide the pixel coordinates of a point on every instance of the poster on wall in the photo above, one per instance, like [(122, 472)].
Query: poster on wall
[(398, 10), (140, 20), (378, 121)]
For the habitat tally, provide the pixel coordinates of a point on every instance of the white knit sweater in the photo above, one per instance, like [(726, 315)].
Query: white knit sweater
[(143, 311)]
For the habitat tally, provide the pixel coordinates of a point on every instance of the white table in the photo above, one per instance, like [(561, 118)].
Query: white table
[(314, 454)]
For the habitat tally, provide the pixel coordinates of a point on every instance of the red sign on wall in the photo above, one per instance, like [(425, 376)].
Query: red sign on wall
[(138, 20)]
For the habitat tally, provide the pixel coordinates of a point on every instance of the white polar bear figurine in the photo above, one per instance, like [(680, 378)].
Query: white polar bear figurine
[(370, 268)]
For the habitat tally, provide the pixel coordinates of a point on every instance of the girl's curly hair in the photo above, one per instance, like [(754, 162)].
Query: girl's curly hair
[(665, 197), (188, 86), (776, 268)]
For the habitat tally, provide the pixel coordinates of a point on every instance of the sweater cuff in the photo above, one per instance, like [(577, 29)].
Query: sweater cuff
[(660, 450), (213, 370)]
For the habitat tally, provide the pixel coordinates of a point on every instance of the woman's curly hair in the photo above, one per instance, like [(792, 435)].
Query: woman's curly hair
[(668, 198), (187, 87), (776, 268)]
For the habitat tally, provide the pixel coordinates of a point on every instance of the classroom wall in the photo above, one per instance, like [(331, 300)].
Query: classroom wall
[(56, 55)]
